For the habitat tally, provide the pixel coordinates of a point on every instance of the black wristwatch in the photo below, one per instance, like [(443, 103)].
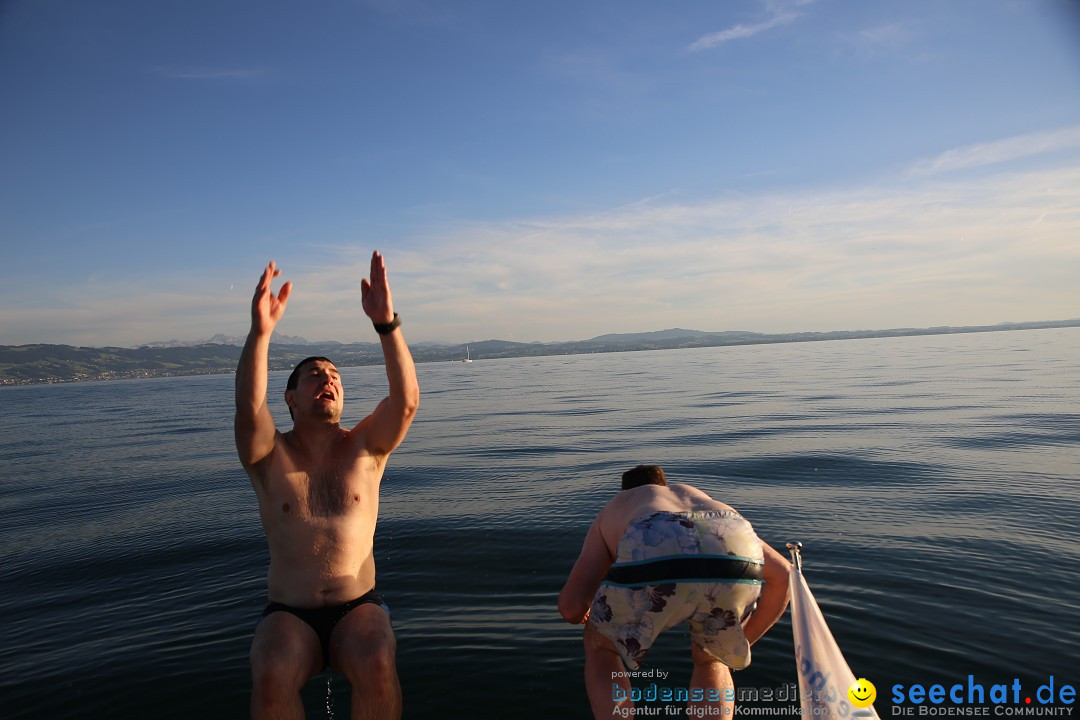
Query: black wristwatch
[(387, 328)]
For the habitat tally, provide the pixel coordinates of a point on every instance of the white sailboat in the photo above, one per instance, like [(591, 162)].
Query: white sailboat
[(467, 358)]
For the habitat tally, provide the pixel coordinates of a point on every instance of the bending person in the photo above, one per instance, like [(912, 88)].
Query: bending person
[(660, 555), (318, 492)]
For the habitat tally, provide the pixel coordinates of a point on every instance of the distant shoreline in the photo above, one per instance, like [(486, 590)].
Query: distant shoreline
[(50, 364)]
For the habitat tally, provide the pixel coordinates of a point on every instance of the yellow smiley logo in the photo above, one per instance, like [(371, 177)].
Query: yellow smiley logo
[(862, 693)]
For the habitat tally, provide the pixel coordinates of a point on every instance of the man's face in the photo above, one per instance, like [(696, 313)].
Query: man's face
[(318, 392)]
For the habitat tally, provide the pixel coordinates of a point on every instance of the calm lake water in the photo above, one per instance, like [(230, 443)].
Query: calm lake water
[(932, 480)]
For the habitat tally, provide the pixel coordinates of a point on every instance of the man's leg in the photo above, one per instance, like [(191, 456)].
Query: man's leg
[(711, 673), (363, 649), (602, 662), (284, 655)]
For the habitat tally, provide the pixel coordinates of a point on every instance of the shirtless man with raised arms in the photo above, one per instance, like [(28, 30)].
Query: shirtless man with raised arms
[(318, 491)]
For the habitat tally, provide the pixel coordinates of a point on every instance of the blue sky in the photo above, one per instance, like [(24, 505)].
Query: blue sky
[(537, 171)]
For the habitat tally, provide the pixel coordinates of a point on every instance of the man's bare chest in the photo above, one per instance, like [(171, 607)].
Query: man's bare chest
[(327, 489)]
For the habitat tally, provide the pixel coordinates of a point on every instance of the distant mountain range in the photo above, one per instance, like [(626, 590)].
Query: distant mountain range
[(221, 339), (26, 364), (672, 334)]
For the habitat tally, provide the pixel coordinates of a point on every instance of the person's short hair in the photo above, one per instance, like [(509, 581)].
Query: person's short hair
[(643, 475), (294, 377)]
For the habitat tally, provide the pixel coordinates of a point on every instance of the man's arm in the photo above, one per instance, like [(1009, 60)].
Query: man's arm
[(253, 425), (588, 572), (385, 428), (774, 596)]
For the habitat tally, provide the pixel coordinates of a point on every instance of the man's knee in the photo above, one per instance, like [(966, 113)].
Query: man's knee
[(364, 649), (279, 670), (370, 666), (282, 657), (274, 685)]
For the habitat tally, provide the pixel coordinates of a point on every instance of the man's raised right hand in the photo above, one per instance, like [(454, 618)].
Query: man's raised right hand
[(266, 309)]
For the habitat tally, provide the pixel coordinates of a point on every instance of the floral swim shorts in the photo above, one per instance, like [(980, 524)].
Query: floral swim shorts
[(703, 568)]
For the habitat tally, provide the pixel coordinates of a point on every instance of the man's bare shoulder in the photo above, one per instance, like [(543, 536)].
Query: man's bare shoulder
[(359, 436), (260, 466), (690, 493), (625, 499), (699, 500), (628, 505)]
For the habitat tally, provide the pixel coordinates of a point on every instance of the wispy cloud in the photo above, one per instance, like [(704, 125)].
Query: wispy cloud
[(999, 151), (780, 14), (980, 251), (917, 252), (598, 71), (110, 309), (889, 36)]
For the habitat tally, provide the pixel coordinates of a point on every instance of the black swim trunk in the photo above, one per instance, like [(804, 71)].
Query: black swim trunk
[(323, 619)]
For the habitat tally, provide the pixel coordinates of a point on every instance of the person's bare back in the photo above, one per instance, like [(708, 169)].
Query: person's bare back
[(631, 505)]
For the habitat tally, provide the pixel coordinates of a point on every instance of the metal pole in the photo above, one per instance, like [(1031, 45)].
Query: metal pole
[(795, 548)]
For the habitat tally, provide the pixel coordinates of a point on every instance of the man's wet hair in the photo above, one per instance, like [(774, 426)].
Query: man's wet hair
[(643, 475), (294, 378)]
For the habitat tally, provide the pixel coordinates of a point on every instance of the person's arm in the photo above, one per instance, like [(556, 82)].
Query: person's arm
[(385, 428), (774, 596), (253, 425), (588, 572)]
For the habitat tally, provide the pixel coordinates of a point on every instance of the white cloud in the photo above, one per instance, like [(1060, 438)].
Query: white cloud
[(914, 253), (983, 251), (780, 16), (892, 36), (999, 151), (110, 311)]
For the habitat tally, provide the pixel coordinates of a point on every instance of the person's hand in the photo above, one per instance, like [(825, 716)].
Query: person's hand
[(266, 309), (375, 293)]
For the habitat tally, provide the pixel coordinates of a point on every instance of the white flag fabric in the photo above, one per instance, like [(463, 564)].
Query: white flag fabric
[(824, 675)]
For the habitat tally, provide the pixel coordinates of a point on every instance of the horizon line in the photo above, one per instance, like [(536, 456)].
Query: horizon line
[(162, 344)]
